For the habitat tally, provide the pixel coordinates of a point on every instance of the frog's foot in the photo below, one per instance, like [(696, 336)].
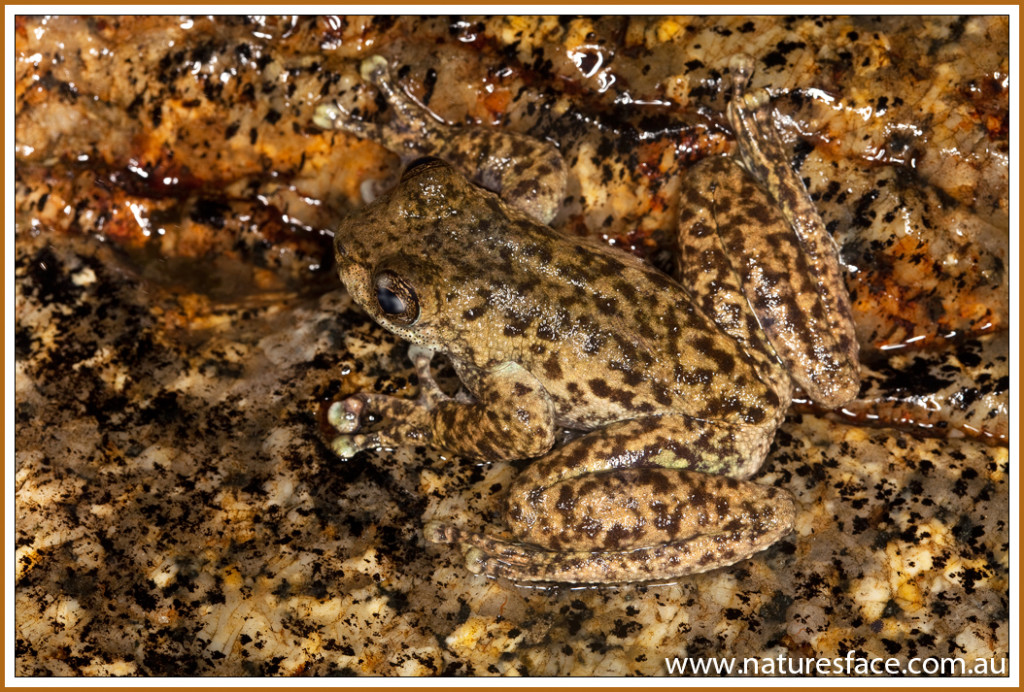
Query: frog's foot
[(413, 117), (529, 174), (343, 420), (519, 562), (374, 69), (372, 421), (335, 116), (762, 153)]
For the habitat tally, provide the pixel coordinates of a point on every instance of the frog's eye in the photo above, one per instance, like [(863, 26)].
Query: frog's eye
[(396, 297)]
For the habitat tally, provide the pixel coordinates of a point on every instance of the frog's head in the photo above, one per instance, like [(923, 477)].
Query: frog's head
[(400, 256)]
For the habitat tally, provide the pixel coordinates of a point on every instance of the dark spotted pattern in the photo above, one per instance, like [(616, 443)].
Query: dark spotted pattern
[(771, 517), (682, 387), (807, 303)]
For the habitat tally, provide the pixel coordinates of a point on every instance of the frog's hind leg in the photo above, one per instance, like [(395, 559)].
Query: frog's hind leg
[(529, 174), (813, 284), (737, 540), (749, 233), (640, 500)]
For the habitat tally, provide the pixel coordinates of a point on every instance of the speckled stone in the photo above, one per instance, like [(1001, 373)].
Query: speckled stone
[(178, 513)]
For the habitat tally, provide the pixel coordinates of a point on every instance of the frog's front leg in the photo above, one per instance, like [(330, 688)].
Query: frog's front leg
[(640, 500), (510, 416), (528, 174), (408, 420)]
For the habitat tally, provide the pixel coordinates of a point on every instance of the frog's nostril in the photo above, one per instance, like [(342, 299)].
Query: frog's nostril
[(420, 165)]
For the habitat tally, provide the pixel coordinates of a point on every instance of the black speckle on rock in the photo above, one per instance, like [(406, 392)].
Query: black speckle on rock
[(892, 609), (623, 628), (23, 341), (163, 409), (48, 281), (891, 647), (210, 212), (143, 596), (970, 577)]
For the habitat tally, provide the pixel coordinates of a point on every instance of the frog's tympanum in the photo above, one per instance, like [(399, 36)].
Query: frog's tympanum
[(677, 387)]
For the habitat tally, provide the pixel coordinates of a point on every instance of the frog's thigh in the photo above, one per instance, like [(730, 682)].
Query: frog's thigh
[(704, 264), (669, 441), (641, 482)]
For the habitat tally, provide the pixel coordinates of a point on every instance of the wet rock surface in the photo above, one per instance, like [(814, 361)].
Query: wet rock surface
[(177, 333)]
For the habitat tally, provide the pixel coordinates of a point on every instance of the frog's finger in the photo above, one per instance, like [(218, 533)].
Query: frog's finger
[(346, 416), (327, 115), (347, 446), (334, 117), (430, 393), (374, 69)]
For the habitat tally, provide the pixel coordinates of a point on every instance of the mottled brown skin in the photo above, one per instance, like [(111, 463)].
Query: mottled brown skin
[(529, 174), (679, 387)]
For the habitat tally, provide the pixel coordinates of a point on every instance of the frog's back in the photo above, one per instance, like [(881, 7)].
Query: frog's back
[(608, 336)]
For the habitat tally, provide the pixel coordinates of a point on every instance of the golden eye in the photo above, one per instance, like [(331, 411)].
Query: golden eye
[(396, 298)]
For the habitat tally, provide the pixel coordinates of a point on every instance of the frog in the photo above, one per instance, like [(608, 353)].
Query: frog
[(673, 387)]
